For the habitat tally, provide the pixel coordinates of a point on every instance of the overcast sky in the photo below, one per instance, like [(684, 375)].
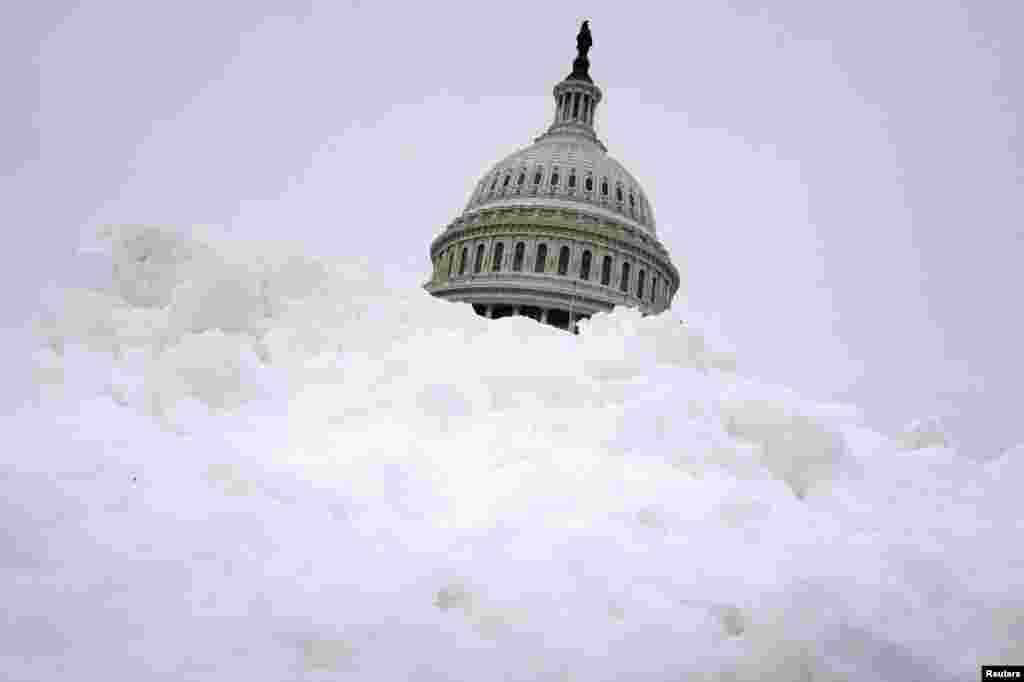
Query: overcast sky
[(841, 183)]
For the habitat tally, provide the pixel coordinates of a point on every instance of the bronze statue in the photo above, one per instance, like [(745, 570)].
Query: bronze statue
[(581, 65), (583, 39)]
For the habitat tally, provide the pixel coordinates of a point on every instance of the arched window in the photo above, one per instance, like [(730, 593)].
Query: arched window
[(554, 178), (604, 187), (522, 178), (624, 282), (640, 281), (499, 253), (606, 269), (589, 184), (462, 262), (572, 179), (618, 194), (585, 266), (542, 256), (536, 178), (517, 258), (563, 260), (478, 264)]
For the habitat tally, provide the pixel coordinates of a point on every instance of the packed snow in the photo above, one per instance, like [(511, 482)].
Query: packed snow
[(247, 463)]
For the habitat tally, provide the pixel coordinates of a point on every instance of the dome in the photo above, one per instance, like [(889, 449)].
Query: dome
[(566, 171), (559, 230)]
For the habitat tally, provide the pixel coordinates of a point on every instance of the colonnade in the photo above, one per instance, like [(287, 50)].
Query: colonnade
[(576, 105), (654, 285)]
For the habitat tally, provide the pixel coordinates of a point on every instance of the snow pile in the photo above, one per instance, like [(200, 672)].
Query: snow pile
[(923, 434), (252, 464)]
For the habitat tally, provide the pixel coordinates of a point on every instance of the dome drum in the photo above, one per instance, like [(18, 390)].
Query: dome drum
[(545, 262)]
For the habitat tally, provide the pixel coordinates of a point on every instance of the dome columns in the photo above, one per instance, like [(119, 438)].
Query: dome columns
[(575, 109), (575, 105)]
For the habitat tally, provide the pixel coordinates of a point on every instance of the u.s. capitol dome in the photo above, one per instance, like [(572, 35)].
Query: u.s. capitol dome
[(559, 230)]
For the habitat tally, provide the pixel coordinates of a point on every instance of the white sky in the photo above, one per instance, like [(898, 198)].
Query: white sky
[(840, 182)]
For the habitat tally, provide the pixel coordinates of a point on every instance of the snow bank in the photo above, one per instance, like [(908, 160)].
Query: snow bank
[(248, 463), (923, 434)]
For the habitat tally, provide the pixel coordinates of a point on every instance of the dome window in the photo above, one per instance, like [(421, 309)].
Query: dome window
[(563, 260), (505, 183), (624, 281), (632, 200), (606, 269), (462, 262), (654, 288), (451, 261), (585, 265), (499, 253), (554, 179), (589, 184), (517, 258), (604, 187), (494, 183), (641, 280), (542, 256), (478, 264), (618, 194), (572, 180), (522, 179), (536, 178)]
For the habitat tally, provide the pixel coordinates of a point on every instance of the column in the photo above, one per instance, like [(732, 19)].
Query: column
[(489, 311), (543, 315), (515, 310)]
